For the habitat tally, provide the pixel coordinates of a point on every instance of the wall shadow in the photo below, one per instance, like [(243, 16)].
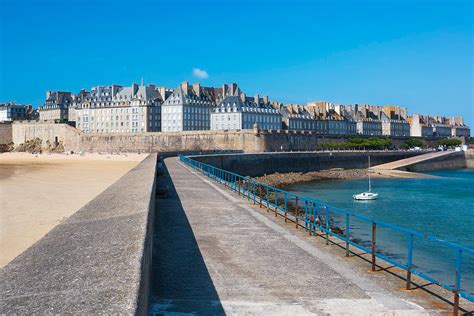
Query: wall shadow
[(180, 280)]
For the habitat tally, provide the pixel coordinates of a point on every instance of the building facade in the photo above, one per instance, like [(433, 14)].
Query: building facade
[(296, 118), (369, 127), (117, 109), (241, 112), (460, 131), (10, 111), (56, 106), (187, 109)]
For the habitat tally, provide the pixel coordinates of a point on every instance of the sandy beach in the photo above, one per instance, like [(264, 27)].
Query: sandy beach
[(37, 192)]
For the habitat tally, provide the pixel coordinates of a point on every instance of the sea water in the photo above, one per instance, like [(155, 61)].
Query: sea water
[(441, 207)]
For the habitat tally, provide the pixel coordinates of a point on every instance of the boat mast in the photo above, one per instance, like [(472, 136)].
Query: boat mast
[(368, 170)]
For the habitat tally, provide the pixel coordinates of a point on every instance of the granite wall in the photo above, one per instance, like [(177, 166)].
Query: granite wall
[(190, 141), (96, 262), (266, 163)]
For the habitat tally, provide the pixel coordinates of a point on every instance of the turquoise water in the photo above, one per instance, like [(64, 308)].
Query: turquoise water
[(443, 207)]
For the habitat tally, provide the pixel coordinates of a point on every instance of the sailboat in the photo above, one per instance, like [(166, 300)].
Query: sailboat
[(364, 196)]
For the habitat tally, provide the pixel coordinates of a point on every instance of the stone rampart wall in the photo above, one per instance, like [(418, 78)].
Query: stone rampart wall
[(190, 141)]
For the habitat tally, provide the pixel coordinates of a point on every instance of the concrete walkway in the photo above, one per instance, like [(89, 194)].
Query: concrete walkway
[(216, 254), (412, 160)]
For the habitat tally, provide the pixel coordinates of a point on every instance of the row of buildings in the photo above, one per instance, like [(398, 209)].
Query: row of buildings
[(149, 108), (11, 111)]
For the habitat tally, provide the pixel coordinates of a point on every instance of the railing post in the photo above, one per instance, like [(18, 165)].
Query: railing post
[(261, 195), (348, 234), (276, 201), (248, 190), (296, 212), (306, 216), (374, 231), (266, 199), (326, 209), (409, 261), (276, 195), (254, 192), (457, 284), (285, 196)]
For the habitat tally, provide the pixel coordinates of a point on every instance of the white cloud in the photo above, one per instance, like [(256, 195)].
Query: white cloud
[(199, 73)]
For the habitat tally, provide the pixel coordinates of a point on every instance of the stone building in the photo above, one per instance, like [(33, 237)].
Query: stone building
[(10, 111), (320, 117), (394, 127), (367, 122), (118, 109), (458, 128), (441, 130), (419, 126), (56, 106), (461, 131), (242, 112), (189, 107), (296, 117)]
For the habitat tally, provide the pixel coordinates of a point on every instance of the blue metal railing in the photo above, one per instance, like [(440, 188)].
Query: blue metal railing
[(315, 215)]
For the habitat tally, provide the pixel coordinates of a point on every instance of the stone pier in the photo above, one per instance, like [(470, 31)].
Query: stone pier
[(215, 253)]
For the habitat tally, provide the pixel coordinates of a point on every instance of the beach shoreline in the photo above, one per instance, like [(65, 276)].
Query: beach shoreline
[(284, 180)]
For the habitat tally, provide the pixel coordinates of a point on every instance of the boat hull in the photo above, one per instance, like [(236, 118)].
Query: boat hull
[(366, 196)]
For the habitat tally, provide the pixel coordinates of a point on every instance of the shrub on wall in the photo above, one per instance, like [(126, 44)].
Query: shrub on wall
[(359, 143), (414, 142)]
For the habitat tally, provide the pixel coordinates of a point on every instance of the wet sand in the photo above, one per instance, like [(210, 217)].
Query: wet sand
[(37, 192)]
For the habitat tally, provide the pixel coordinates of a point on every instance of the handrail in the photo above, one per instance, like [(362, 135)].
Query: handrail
[(316, 215)]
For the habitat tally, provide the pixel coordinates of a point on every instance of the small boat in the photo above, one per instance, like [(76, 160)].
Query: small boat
[(365, 196)]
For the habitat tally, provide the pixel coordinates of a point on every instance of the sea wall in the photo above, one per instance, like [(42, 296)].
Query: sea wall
[(5, 135), (266, 163), (98, 261), (470, 158), (171, 142), (47, 131), (190, 141)]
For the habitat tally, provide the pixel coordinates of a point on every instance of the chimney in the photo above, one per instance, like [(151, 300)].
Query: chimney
[(152, 86), (242, 97), (115, 89), (225, 89), (48, 94), (162, 92), (256, 98), (184, 87), (197, 89), (265, 99), (233, 89), (134, 88)]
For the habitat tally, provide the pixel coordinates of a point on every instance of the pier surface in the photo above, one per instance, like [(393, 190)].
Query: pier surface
[(215, 253), (402, 163)]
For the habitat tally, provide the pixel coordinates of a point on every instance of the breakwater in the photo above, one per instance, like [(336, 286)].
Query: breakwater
[(320, 218), (96, 262), (266, 163), (470, 158)]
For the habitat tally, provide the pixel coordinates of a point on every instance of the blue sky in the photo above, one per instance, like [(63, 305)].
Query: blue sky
[(417, 54)]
